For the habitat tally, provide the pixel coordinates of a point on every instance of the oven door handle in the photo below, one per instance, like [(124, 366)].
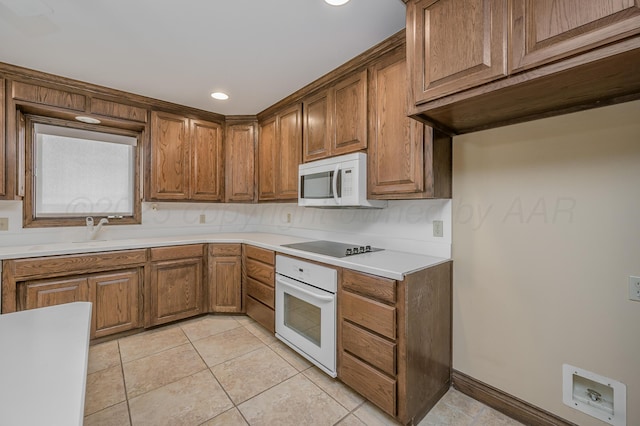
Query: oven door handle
[(284, 281)]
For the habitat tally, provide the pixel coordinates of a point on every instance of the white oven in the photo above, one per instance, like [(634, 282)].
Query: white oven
[(306, 310)]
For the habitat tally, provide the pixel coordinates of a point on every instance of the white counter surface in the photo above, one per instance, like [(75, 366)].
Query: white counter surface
[(386, 263), (43, 365)]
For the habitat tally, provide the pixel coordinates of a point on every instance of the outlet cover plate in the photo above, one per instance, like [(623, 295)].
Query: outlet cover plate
[(4, 223), (634, 288), (438, 230)]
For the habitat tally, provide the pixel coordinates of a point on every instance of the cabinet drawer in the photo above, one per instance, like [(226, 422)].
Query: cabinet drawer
[(260, 271), (374, 349), (369, 382), (369, 285), (225, 249), (176, 252), (263, 255), (47, 96), (261, 292), (368, 313), (262, 314)]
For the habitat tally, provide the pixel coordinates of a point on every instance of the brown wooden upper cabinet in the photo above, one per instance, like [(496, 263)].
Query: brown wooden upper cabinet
[(561, 56), (335, 119), (457, 44), (186, 159), (239, 164), (544, 31), (406, 158), (279, 152)]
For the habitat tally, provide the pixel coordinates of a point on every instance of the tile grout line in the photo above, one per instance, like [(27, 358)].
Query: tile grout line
[(124, 382), (220, 384)]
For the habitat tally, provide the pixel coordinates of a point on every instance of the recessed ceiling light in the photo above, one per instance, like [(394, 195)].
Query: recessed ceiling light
[(336, 2), (219, 95), (89, 120)]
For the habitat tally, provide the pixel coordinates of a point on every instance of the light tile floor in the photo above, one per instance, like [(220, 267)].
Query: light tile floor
[(228, 370)]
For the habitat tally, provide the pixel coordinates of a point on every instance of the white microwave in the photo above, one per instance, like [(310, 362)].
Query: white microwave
[(336, 182)]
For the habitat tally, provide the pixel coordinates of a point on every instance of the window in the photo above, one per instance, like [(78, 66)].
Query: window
[(79, 172)]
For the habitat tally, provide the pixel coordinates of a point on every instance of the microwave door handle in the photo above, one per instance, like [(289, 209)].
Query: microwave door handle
[(335, 184)]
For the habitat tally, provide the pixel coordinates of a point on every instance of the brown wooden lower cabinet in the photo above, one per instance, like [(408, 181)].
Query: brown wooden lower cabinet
[(114, 296), (116, 305), (259, 276), (394, 339), (176, 285), (225, 278), (43, 293)]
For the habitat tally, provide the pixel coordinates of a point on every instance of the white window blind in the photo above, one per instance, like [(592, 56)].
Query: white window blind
[(83, 173)]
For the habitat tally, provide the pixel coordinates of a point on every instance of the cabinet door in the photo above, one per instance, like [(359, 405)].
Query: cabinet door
[(396, 142), (289, 153), (207, 159), (176, 287), (3, 182), (267, 147), (56, 292), (349, 114), (169, 157), (544, 31), (453, 45), (115, 299), (239, 164), (316, 133), (225, 284)]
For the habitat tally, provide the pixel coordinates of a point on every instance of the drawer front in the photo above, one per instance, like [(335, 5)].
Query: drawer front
[(369, 382), (261, 272), (176, 252), (262, 314), (379, 288), (225, 249), (263, 255), (368, 313), (374, 349), (261, 292)]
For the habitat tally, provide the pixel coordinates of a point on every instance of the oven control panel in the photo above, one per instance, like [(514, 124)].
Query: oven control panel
[(309, 273)]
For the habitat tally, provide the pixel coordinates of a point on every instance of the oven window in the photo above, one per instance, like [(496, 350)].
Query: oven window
[(302, 317)]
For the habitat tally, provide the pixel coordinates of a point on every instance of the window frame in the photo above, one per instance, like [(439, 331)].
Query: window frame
[(29, 218)]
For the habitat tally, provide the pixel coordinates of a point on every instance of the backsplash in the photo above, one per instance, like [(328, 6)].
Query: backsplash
[(403, 225)]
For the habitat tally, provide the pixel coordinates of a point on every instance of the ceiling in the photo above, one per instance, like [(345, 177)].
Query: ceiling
[(257, 51)]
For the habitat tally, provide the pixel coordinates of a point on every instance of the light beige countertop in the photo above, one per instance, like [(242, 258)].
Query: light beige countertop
[(387, 263)]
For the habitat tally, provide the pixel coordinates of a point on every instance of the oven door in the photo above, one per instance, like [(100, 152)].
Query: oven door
[(306, 321)]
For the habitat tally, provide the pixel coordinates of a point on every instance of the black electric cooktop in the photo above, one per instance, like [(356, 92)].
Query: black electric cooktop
[(332, 248)]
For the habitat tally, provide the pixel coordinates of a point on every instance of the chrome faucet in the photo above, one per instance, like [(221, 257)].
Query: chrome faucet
[(93, 231)]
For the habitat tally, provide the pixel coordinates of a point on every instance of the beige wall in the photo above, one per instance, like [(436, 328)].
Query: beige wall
[(546, 231)]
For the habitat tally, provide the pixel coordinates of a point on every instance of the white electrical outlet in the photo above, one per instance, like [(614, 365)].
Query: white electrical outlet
[(203, 218), (438, 228), (288, 217), (4, 223), (634, 288)]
